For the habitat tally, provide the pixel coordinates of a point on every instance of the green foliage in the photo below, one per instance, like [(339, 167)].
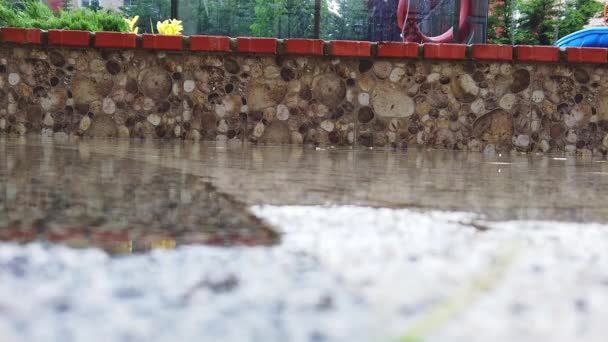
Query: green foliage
[(577, 15), (267, 13), (275, 18), (500, 22), (217, 17), (540, 22), (537, 23), (347, 19), (35, 14), (149, 12)]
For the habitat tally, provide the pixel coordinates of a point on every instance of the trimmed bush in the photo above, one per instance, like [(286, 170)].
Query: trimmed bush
[(35, 14)]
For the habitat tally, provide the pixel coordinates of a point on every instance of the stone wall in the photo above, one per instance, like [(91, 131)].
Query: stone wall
[(316, 100)]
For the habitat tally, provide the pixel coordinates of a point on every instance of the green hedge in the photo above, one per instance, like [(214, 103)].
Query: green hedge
[(35, 14)]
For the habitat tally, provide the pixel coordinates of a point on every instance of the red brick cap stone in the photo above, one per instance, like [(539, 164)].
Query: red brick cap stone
[(20, 35), (586, 55), (115, 40), (304, 46), (398, 50), (210, 43), (537, 53), (348, 48), (257, 45), (444, 51), (493, 52), (162, 42), (69, 38)]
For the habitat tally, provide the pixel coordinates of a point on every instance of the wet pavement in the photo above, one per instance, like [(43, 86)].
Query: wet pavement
[(298, 244), (63, 195)]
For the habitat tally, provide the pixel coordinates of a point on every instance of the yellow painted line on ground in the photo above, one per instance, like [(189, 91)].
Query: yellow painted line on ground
[(449, 308)]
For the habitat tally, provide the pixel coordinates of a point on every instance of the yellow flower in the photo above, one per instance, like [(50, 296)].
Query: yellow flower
[(171, 27), (132, 23)]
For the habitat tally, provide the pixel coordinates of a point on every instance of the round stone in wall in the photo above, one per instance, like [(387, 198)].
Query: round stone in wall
[(154, 119), (464, 88), (521, 80), (495, 127), (365, 115), (55, 99), (327, 125), (276, 133), (85, 123), (189, 86), (261, 95), (102, 126), (329, 89), (56, 59), (581, 76), (282, 112), (108, 106), (382, 69), (363, 99), (86, 90), (391, 102), (366, 83), (478, 106), (113, 67), (507, 101), (13, 78), (155, 83), (522, 140), (538, 96), (231, 66)]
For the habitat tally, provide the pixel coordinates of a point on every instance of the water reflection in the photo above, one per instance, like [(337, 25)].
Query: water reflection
[(81, 198), (129, 196)]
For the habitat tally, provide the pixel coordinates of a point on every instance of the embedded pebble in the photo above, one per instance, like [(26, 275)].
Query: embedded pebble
[(154, 119), (507, 101), (363, 99), (397, 75), (327, 125), (85, 123), (222, 127), (545, 146), (258, 130), (477, 106), (571, 137), (522, 140), (48, 120), (538, 96), (434, 77), (189, 86), (108, 106), (391, 102), (489, 149), (382, 69), (123, 131), (13, 78), (282, 112)]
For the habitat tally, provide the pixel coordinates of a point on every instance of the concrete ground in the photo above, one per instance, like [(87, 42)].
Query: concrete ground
[(371, 245)]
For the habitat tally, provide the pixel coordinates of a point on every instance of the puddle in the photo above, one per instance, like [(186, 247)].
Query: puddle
[(127, 196), (119, 205)]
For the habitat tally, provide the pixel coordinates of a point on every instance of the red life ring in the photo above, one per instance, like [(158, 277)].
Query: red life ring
[(447, 36)]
